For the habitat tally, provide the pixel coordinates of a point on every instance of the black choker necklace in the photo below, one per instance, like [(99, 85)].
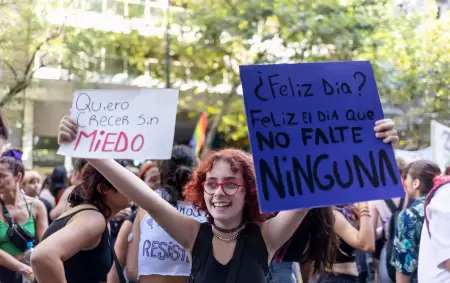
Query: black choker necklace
[(228, 230)]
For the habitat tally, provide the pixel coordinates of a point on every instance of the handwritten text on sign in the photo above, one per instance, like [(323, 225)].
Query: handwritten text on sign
[(123, 124), (312, 135)]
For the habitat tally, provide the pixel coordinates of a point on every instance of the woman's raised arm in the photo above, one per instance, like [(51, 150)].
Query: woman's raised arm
[(181, 228)]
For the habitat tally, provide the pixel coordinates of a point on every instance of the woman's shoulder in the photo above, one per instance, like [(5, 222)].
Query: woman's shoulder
[(83, 210)]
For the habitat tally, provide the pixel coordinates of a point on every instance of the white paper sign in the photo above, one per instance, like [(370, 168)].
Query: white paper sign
[(410, 156), (123, 124), (440, 143)]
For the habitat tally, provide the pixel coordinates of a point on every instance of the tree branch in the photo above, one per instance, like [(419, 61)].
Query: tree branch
[(49, 38), (25, 82), (11, 68), (18, 87)]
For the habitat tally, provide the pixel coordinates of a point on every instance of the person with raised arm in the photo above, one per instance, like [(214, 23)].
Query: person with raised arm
[(76, 247), (237, 244)]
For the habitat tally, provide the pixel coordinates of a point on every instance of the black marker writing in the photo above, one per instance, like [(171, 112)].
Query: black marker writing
[(308, 174), (363, 81)]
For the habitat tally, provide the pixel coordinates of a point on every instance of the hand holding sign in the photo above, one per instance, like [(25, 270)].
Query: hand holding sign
[(312, 133), (131, 124)]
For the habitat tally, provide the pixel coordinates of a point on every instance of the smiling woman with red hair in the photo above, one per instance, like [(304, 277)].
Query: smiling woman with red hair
[(237, 244), (239, 162)]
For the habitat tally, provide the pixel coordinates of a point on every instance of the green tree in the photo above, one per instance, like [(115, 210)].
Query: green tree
[(23, 34), (232, 33), (410, 55)]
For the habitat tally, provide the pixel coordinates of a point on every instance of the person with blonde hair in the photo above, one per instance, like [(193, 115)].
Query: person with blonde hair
[(32, 186), (32, 183)]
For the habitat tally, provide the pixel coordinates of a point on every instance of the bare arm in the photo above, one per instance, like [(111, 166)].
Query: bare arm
[(62, 205), (278, 230), (305, 271), (447, 265), (8, 261), (41, 218), (133, 247), (373, 209), (375, 218), (181, 228), (364, 239), (402, 278), (82, 232), (120, 247)]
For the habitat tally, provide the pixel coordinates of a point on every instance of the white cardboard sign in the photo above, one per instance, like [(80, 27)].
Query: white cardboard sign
[(440, 144), (123, 124)]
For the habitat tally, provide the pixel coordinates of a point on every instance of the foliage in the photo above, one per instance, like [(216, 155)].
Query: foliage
[(408, 52), (233, 33), (412, 65), (22, 35)]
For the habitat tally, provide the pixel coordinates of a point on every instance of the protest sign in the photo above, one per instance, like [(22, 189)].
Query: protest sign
[(410, 156), (123, 124), (312, 134), (440, 144)]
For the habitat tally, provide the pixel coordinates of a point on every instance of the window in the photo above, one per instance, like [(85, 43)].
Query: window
[(157, 13), (94, 5), (47, 158), (136, 10), (116, 7)]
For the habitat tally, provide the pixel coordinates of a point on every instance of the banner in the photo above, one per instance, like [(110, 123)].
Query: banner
[(410, 156), (311, 129), (123, 124), (440, 144)]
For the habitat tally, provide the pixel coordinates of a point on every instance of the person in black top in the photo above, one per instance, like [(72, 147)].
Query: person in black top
[(314, 245), (237, 244), (76, 248)]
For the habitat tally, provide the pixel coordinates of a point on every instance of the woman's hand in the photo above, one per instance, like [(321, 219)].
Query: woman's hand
[(27, 272), (67, 130), (124, 213), (385, 129)]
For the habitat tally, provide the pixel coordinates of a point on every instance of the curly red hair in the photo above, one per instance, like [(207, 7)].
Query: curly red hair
[(239, 161)]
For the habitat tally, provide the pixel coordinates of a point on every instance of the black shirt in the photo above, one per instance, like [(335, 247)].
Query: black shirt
[(253, 265), (91, 266)]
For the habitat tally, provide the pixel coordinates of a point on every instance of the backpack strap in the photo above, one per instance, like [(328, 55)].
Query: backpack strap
[(201, 250), (415, 212), (116, 261), (6, 213), (391, 205)]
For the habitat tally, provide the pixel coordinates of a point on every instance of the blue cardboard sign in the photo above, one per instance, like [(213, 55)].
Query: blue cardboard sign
[(311, 130)]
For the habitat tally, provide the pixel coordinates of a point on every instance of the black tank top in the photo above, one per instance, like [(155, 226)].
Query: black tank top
[(91, 266), (346, 253), (253, 265)]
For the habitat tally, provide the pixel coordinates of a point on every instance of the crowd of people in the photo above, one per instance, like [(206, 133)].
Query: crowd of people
[(190, 220)]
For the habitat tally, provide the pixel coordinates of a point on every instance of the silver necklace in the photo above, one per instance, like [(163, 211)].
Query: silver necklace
[(226, 239)]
